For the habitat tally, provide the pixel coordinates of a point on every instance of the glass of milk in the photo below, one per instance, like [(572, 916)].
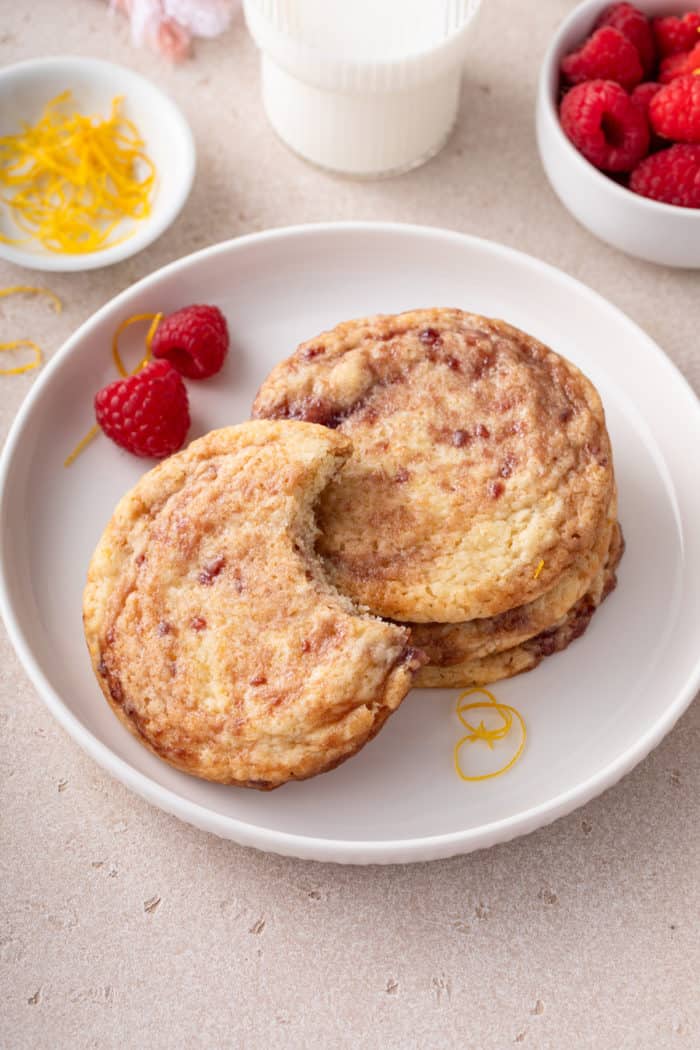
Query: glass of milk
[(362, 87)]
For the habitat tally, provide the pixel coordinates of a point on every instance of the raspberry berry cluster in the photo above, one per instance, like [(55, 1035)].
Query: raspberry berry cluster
[(630, 101), (147, 413)]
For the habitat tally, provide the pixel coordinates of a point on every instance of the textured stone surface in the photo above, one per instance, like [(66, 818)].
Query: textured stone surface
[(122, 927)]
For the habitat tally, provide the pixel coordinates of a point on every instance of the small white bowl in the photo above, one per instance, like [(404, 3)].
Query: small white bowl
[(648, 229), (25, 88)]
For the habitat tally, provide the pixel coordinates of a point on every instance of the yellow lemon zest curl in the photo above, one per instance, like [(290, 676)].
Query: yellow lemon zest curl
[(17, 344), (539, 569), (31, 289), (481, 732), (82, 444), (155, 320), (70, 180)]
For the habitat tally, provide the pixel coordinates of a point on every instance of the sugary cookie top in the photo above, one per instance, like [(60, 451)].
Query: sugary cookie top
[(213, 632), (477, 453)]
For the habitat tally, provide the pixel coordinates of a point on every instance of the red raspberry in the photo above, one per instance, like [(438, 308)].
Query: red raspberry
[(194, 340), (674, 111), (675, 34), (635, 25), (607, 55), (642, 96), (605, 125), (680, 65), (147, 413), (644, 93), (672, 176)]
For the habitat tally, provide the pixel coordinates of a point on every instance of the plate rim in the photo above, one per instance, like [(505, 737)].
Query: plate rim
[(309, 847)]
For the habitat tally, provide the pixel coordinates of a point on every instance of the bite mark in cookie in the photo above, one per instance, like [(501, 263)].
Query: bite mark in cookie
[(225, 649)]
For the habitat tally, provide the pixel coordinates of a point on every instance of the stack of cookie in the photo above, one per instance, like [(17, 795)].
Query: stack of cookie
[(261, 602), (478, 505)]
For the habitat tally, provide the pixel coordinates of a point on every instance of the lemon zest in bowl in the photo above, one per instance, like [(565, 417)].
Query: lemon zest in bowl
[(539, 569), (482, 732), (155, 320), (17, 344), (70, 180)]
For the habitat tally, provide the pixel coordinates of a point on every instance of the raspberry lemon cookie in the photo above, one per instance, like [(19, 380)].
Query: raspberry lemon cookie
[(213, 632), (455, 669), (450, 644), (478, 453)]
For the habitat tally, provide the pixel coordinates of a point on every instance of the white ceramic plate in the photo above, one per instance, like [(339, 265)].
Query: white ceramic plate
[(26, 87), (592, 712)]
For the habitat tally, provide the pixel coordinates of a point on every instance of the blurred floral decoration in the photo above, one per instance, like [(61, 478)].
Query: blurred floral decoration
[(169, 26)]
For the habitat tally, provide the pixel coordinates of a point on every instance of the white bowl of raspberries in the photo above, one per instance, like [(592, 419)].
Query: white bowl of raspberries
[(618, 125)]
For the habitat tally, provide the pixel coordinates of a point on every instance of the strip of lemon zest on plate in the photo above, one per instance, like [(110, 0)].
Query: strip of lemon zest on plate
[(539, 569), (155, 320), (17, 344), (71, 179), (481, 732), (83, 443)]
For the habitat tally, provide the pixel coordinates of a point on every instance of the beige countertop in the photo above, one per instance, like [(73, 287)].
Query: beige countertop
[(122, 927)]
